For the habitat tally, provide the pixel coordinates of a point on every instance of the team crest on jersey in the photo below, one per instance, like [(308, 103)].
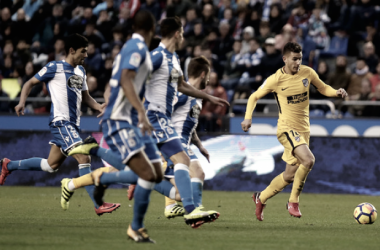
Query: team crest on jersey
[(195, 111), (75, 81), (305, 82)]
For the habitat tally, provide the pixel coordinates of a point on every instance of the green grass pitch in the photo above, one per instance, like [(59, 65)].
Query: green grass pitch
[(31, 218)]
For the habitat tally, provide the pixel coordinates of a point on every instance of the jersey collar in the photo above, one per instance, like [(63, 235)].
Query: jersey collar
[(138, 36), (164, 47)]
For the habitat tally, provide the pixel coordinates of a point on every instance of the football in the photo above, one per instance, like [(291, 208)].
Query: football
[(365, 213)]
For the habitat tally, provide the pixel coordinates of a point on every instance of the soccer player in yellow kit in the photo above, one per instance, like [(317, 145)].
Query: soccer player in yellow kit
[(290, 86)]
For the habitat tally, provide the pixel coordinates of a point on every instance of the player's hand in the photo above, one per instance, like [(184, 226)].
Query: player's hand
[(341, 93), (144, 125), (20, 109), (246, 124), (218, 101), (102, 109), (205, 153)]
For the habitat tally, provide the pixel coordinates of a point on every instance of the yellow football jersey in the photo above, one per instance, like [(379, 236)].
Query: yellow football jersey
[(292, 95)]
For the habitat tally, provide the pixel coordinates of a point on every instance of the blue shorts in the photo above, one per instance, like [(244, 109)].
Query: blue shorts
[(164, 130), (169, 171), (65, 135), (125, 140)]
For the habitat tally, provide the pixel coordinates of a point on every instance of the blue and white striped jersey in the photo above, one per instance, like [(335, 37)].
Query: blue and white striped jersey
[(65, 85), (133, 56), (162, 88), (185, 116)]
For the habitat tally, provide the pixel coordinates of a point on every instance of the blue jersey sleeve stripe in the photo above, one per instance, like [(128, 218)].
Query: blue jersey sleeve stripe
[(46, 73), (157, 58), (132, 56)]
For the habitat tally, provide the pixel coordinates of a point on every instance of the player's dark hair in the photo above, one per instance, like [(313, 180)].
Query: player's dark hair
[(169, 26), (75, 41), (143, 20), (291, 47), (198, 65)]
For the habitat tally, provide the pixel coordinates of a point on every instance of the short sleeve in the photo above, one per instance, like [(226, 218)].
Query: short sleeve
[(269, 84), (84, 85), (133, 57), (157, 59), (46, 73)]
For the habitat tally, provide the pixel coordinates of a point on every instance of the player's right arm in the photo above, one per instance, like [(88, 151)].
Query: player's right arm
[(44, 75), (24, 94), (267, 87), (129, 65)]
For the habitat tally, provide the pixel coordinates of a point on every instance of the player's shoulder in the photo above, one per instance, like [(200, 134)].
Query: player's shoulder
[(157, 52), (306, 70)]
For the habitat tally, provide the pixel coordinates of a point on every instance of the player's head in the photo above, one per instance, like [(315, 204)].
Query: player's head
[(171, 29), (292, 56), (144, 21), (76, 48), (199, 67)]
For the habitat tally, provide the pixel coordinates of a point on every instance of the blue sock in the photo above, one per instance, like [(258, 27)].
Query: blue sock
[(119, 177), (142, 197), (182, 180), (108, 156), (28, 164), (83, 170), (164, 187), (197, 187)]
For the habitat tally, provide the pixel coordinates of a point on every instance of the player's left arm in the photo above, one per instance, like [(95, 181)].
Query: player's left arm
[(86, 98), (325, 89), (197, 142), (189, 90)]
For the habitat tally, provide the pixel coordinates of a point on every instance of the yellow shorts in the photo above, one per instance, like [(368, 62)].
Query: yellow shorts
[(290, 139)]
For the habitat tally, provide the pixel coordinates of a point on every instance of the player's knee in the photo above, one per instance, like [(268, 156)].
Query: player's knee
[(149, 176), (50, 168), (309, 162)]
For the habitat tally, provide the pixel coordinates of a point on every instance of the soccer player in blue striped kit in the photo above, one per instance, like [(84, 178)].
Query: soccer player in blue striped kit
[(127, 129), (167, 79), (66, 83)]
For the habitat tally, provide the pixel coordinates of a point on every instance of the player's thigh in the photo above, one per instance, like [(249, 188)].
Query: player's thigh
[(56, 157), (123, 139), (154, 156), (290, 139), (140, 164), (304, 155)]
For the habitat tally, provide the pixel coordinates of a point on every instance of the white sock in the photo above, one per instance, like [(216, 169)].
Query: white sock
[(170, 206), (71, 185)]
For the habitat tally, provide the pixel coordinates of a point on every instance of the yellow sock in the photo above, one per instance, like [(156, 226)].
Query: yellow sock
[(86, 180), (299, 182), (169, 201), (277, 185)]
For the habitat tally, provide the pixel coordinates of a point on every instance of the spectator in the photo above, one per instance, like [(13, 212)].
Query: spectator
[(276, 20), (228, 16), (59, 51), (375, 79), (104, 25), (109, 6), (271, 62), (191, 20), (44, 37), (299, 16), (21, 28), (197, 36), (254, 20), (94, 60), (225, 40), (317, 30), (370, 57), (29, 73), (208, 19), (213, 59), (361, 72), (29, 7), (287, 35), (234, 67), (93, 35), (81, 17), (211, 114), (248, 34), (22, 54), (252, 61), (153, 7), (340, 78), (364, 95), (264, 33), (238, 29), (105, 74), (177, 7), (8, 68), (322, 71), (5, 19)]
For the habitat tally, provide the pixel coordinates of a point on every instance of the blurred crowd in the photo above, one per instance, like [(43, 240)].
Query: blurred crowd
[(241, 38)]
